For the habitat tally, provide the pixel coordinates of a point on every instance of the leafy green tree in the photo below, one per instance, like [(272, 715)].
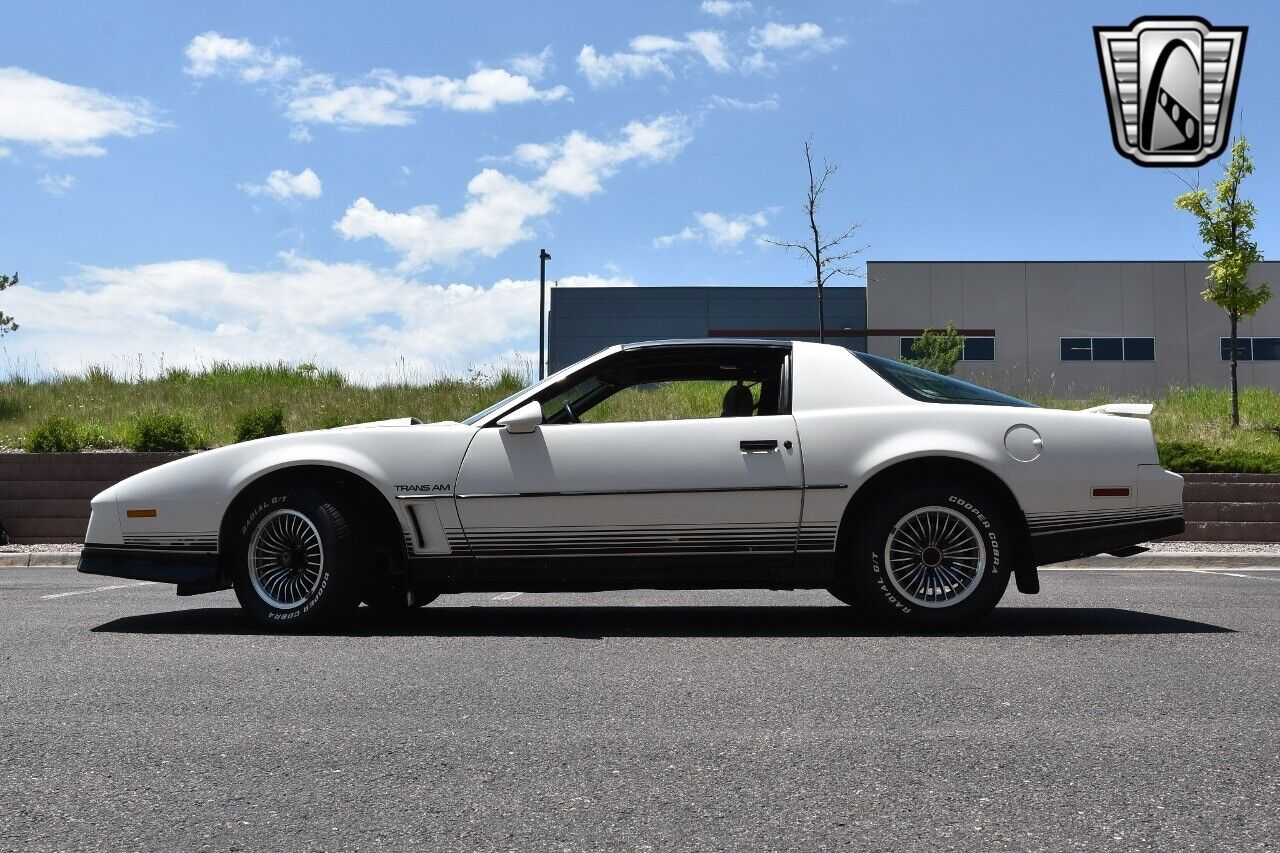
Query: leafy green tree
[(6, 322), (938, 351), (1226, 225)]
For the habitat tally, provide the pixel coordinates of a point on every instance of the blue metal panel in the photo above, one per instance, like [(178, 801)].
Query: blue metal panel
[(585, 320)]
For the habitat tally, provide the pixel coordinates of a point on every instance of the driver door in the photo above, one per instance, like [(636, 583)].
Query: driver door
[(698, 491)]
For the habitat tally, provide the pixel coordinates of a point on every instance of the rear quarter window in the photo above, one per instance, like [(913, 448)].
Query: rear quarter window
[(931, 387)]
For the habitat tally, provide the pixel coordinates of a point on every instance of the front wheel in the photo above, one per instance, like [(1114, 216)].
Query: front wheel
[(931, 556), (302, 558)]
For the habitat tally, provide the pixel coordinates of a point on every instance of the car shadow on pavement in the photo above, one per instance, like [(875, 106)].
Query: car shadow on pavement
[(588, 622)]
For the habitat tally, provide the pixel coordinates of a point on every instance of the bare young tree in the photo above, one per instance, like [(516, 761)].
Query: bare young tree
[(827, 254)]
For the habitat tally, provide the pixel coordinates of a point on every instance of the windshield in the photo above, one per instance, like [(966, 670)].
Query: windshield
[(934, 387), (550, 380)]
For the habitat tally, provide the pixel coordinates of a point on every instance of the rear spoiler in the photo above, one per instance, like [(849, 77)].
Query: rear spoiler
[(1124, 410)]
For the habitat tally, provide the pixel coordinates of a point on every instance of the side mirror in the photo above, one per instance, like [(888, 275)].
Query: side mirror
[(524, 419)]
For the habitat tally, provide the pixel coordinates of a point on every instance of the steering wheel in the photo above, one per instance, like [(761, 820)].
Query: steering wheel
[(573, 419)]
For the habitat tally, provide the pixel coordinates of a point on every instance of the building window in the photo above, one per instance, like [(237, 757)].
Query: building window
[(975, 348), (1077, 349), (979, 349), (1139, 349), (1252, 349), (1108, 349)]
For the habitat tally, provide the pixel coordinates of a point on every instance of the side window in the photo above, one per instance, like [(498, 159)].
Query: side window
[(677, 400), (676, 384)]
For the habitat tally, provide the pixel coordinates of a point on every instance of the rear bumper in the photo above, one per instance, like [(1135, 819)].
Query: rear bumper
[(1056, 546), (199, 568)]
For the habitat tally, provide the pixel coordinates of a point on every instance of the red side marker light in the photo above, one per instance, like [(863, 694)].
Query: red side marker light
[(1111, 493), (141, 513)]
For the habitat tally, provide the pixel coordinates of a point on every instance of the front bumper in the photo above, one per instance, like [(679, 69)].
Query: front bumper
[(187, 568)]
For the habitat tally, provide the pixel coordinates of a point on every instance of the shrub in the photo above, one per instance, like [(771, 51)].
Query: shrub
[(331, 421), (1193, 457), (56, 435), (259, 423), (158, 432), (96, 436)]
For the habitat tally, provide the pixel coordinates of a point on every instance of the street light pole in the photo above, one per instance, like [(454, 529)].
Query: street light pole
[(543, 257)]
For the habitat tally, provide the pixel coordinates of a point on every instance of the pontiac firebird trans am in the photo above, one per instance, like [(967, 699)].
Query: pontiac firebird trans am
[(909, 495)]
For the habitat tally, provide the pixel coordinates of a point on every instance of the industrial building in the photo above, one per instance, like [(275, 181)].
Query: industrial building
[(1071, 328)]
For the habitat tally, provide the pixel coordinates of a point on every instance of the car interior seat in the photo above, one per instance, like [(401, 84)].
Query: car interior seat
[(738, 402)]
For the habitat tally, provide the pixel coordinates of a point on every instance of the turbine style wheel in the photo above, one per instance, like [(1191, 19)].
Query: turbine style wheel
[(286, 559), (303, 556), (933, 555)]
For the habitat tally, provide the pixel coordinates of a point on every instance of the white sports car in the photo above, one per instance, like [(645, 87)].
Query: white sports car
[(910, 495)]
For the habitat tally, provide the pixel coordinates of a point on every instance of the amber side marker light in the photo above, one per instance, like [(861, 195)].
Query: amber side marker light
[(1111, 493), (141, 513)]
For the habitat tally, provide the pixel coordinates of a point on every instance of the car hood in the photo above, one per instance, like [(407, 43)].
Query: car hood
[(380, 451)]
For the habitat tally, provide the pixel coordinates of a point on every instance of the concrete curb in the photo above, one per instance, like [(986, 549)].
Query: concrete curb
[(40, 560), (1139, 562), (1181, 560)]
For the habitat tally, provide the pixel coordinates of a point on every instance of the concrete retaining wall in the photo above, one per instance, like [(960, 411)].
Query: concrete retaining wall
[(44, 497), (1232, 507)]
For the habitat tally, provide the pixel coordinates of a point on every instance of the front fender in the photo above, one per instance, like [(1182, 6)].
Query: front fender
[(190, 496)]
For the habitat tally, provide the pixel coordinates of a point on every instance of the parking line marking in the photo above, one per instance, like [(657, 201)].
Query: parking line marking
[(1232, 574), (506, 596), (1255, 570), (98, 589)]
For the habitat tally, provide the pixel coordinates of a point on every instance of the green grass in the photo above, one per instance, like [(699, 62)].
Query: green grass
[(211, 400), (1193, 428), (1191, 425)]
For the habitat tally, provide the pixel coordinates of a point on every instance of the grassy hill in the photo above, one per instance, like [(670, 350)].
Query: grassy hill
[(1191, 425)]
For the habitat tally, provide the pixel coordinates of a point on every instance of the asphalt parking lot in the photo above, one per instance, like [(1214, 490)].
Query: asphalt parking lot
[(1117, 710)]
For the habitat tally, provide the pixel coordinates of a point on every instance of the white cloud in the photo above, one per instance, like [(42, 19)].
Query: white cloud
[(499, 207), (350, 316), (769, 103), (57, 184), (757, 63), (717, 230), (211, 54), (5, 152), (655, 54), (380, 97), (650, 55), (808, 37), (725, 8), (532, 65), (607, 69), (710, 46), (388, 99), (67, 120), (283, 185)]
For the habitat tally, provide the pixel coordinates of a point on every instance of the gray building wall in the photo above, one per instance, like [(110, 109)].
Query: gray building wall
[(585, 320), (1032, 305)]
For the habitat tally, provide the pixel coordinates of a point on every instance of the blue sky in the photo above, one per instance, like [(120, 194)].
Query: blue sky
[(356, 185)]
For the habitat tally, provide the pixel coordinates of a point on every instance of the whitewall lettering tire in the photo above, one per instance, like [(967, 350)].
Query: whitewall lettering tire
[(301, 556), (932, 555)]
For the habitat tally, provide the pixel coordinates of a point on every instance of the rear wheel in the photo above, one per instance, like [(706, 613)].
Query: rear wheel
[(932, 555), (301, 558)]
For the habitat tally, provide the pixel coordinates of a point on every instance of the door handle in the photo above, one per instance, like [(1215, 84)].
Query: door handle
[(762, 446)]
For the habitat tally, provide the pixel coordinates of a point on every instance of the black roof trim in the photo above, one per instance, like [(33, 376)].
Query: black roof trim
[(763, 343)]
